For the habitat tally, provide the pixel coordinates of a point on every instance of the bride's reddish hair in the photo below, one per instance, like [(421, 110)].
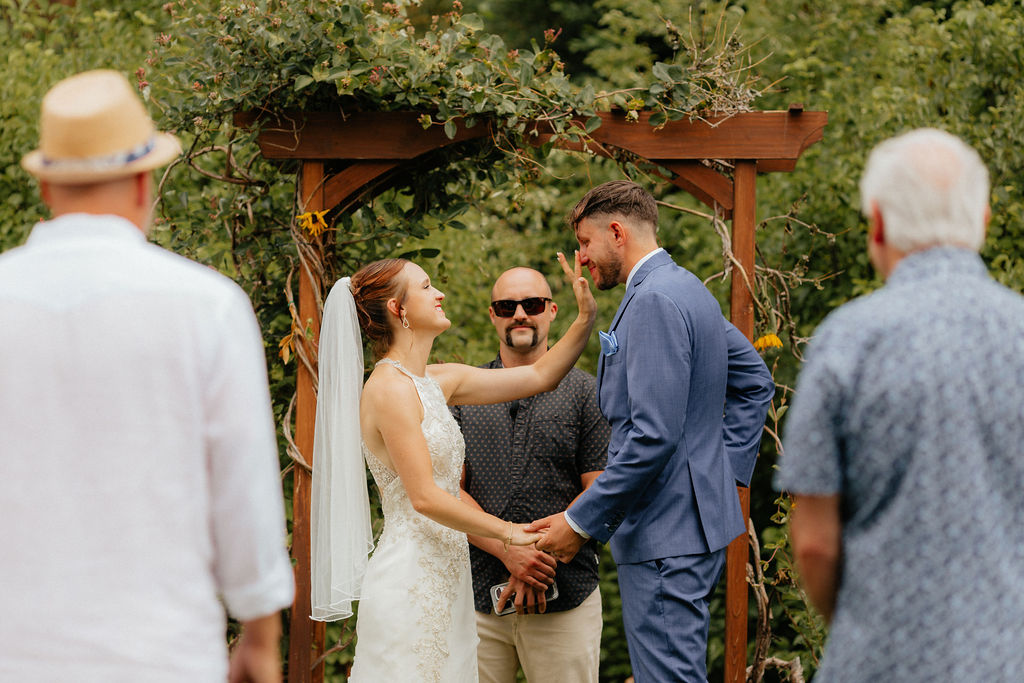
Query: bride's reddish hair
[(372, 286)]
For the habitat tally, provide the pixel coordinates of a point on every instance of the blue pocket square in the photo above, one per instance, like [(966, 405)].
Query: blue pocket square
[(609, 344)]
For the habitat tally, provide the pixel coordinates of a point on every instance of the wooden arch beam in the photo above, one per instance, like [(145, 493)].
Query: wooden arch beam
[(352, 185), (703, 182), (763, 136), (773, 139), (373, 145)]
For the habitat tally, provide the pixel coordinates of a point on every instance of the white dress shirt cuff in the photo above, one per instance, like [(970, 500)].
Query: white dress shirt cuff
[(575, 527)]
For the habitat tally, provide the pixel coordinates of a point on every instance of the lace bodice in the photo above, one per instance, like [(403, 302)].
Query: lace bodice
[(434, 559), (444, 440)]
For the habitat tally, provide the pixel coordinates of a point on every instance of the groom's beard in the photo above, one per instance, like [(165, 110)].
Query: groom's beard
[(608, 272), (533, 338)]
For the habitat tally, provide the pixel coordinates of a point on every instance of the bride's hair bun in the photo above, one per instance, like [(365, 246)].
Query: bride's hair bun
[(372, 286)]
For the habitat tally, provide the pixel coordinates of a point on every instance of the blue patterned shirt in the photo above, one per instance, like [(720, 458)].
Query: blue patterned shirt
[(910, 407)]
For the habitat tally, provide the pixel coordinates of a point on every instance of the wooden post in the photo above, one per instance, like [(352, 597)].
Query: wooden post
[(306, 637), (742, 313)]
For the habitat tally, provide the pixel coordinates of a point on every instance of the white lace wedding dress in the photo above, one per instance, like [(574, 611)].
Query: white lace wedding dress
[(416, 619)]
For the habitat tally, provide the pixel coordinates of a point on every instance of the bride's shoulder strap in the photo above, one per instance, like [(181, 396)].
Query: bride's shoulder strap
[(398, 366)]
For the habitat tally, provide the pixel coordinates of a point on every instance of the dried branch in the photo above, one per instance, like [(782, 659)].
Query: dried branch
[(793, 667), (345, 639), (292, 448), (763, 637), (683, 209)]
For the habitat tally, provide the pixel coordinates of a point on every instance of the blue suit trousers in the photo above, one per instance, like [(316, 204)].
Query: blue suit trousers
[(666, 615)]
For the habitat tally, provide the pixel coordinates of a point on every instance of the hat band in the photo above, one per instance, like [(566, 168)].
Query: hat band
[(102, 163)]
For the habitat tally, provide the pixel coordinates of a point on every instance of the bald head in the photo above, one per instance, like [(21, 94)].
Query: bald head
[(523, 335), (520, 279)]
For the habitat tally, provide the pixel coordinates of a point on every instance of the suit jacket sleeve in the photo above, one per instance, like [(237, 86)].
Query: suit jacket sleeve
[(657, 358), (749, 393)]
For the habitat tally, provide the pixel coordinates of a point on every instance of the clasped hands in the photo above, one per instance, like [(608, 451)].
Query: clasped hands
[(532, 570), (558, 539)]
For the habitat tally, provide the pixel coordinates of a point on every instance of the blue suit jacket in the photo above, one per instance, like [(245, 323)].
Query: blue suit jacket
[(686, 395)]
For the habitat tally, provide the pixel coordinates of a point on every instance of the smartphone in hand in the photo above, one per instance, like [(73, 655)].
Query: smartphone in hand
[(498, 588)]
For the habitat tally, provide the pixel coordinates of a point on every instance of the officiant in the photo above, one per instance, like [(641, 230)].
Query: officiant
[(526, 459)]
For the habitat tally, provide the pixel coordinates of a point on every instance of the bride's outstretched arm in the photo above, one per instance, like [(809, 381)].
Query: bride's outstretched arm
[(464, 384), (397, 415)]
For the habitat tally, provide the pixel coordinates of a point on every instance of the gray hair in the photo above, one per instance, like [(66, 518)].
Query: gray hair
[(931, 189)]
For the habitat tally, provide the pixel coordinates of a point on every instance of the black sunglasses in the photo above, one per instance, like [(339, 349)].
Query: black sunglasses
[(506, 308)]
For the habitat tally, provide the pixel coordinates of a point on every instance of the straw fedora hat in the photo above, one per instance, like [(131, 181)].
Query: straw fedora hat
[(93, 127)]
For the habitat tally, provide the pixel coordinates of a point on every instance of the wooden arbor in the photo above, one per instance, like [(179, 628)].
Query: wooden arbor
[(369, 146)]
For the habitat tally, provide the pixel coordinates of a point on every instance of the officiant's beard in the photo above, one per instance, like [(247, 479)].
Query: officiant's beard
[(534, 339)]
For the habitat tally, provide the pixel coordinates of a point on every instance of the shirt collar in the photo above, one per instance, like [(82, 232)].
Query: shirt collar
[(937, 262), (639, 263), (74, 227)]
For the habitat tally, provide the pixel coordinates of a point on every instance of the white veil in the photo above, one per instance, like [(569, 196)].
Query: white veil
[(341, 536)]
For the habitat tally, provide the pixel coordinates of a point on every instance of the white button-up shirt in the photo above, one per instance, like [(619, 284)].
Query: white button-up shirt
[(140, 480)]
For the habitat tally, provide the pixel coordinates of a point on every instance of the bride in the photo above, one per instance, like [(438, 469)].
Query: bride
[(415, 619)]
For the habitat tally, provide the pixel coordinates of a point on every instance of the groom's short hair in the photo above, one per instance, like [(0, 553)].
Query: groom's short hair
[(616, 198)]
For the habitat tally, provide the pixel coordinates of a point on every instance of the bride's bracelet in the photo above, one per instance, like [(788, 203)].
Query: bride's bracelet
[(508, 539)]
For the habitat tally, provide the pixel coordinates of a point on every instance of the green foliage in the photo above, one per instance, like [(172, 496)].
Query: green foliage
[(804, 632), (348, 56), (903, 66), (40, 43), (521, 21), (614, 656)]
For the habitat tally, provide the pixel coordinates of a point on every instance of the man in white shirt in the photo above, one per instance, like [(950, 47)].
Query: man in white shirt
[(141, 484)]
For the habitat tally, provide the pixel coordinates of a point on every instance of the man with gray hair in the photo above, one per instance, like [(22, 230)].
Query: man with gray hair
[(903, 447)]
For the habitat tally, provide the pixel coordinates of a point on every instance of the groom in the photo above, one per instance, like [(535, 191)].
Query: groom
[(686, 395)]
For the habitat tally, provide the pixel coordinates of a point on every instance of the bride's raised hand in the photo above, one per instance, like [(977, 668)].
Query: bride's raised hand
[(580, 286), (520, 537)]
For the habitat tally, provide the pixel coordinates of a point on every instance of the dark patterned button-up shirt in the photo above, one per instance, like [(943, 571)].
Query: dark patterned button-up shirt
[(523, 462), (910, 407)]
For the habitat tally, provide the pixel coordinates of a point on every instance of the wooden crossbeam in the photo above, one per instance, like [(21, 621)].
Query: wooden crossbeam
[(765, 135)]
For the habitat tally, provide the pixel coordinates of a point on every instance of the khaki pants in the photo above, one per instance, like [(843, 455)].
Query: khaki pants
[(560, 647)]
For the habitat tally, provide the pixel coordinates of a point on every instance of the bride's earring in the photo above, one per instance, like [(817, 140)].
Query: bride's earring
[(405, 321)]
